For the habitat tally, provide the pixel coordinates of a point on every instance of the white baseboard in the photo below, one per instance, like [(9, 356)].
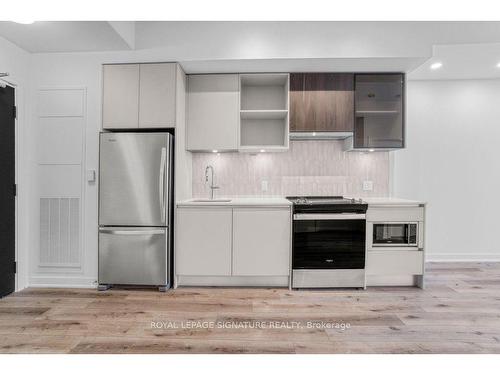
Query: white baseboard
[(62, 282), (250, 281), (462, 257)]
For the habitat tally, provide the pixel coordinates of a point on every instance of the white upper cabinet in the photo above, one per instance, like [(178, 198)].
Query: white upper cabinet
[(139, 96), (120, 103), (157, 96), (213, 112)]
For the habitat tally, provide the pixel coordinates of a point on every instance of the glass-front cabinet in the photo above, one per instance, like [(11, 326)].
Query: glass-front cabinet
[(379, 110)]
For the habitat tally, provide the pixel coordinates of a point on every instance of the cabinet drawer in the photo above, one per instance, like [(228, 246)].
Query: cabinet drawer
[(390, 262), (402, 214)]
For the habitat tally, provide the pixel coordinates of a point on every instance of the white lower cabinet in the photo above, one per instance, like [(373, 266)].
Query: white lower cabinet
[(203, 244), (394, 262), (261, 242), (233, 246)]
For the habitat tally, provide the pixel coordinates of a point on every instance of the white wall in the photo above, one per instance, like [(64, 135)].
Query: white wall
[(16, 62), (452, 162)]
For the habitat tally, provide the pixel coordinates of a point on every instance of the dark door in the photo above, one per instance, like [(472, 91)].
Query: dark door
[(322, 102), (7, 191)]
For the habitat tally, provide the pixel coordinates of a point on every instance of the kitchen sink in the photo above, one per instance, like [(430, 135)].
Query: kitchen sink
[(211, 200)]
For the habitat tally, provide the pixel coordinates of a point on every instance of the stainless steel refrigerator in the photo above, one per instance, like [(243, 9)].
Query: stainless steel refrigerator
[(135, 205)]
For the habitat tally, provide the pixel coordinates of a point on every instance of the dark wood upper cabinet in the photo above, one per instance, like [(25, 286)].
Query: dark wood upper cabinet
[(322, 102)]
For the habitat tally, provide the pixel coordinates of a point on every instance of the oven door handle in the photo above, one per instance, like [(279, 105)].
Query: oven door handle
[(329, 216)]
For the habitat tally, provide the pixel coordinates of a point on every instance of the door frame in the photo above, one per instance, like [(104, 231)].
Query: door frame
[(16, 176)]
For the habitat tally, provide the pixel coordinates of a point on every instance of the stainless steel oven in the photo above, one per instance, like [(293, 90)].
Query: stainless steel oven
[(389, 234)]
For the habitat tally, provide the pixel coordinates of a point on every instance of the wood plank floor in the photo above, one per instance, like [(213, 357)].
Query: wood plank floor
[(459, 312)]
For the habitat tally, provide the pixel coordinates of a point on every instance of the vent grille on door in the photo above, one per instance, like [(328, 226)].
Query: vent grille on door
[(60, 232)]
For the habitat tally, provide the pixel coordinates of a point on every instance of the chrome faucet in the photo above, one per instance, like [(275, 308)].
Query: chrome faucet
[(212, 186)]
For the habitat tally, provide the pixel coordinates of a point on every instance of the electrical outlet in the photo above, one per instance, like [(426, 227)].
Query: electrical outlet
[(367, 185), (264, 185)]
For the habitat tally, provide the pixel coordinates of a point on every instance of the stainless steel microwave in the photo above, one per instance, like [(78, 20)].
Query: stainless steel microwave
[(395, 234)]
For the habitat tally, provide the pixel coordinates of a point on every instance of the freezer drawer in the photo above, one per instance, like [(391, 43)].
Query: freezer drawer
[(135, 179), (133, 255)]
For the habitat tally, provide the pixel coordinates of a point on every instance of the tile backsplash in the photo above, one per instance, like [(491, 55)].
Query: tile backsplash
[(308, 168)]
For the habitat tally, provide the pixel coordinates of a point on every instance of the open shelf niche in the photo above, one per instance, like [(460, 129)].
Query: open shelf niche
[(264, 112)]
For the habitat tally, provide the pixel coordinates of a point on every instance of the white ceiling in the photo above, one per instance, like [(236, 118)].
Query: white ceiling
[(467, 61), (64, 36), (311, 39), (468, 49)]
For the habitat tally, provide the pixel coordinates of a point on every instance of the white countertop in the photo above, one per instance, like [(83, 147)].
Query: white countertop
[(253, 201), (283, 202), (391, 202)]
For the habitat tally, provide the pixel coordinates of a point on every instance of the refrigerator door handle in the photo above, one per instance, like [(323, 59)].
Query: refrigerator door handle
[(132, 232), (161, 187)]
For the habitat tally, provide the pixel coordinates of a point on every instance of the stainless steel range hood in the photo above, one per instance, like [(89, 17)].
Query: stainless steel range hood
[(319, 135)]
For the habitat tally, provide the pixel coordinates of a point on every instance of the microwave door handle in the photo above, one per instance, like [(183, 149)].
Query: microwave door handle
[(416, 234), (161, 183)]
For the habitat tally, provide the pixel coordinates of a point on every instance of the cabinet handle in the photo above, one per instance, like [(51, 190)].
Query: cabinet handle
[(132, 232)]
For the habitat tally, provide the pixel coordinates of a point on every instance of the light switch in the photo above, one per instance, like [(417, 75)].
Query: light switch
[(91, 175), (367, 185), (264, 185)]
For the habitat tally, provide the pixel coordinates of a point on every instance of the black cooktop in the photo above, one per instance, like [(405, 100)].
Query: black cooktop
[(327, 204)]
